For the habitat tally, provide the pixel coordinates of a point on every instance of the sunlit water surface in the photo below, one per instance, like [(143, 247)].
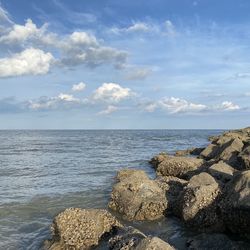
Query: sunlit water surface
[(44, 172)]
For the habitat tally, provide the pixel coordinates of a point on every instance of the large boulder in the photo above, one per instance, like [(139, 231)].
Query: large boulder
[(235, 205), (78, 229), (172, 186), (177, 166), (137, 197), (215, 242), (228, 147), (221, 171), (225, 148), (198, 203), (244, 159), (132, 239)]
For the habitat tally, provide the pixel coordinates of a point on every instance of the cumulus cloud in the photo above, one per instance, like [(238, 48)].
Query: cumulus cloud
[(112, 93), (139, 74), (109, 110), (79, 87), (30, 61), (175, 105), (83, 39), (77, 48), (229, 106), (61, 101)]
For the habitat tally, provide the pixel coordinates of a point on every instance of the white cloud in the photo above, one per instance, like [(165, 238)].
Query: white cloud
[(177, 105), (112, 93), (83, 39), (61, 101), (29, 31), (77, 48), (170, 29), (138, 27), (30, 61), (229, 106), (139, 74), (110, 109), (79, 87)]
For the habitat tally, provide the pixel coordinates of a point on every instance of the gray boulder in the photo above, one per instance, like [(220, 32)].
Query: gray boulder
[(221, 171), (172, 186), (235, 205), (137, 197), (198, 203), (177, 166), (132, 239), (215, 242), (78, 229), (244, 159)]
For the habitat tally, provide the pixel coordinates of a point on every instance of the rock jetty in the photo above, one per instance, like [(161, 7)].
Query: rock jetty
[(208, 189)]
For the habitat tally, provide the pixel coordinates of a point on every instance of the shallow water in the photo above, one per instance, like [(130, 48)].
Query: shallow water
[(44, 172)]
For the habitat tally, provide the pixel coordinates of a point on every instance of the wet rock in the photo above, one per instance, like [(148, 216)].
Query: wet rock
[(215, 242), (235, 205), (177, 166), (198, 203), (221, 171), (133, 239), (189, 151), (172, 186), (244, 159), (153, 243), (126, 239), (77, 228), (156, 160), (137, 197)]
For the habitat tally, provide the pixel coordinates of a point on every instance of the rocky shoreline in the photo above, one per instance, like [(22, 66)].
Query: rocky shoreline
[(207, 188)]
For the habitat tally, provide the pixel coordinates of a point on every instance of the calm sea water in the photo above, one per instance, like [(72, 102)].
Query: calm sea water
[(44, 172)]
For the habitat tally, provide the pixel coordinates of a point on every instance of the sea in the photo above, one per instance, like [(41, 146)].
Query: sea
[(43, 172)]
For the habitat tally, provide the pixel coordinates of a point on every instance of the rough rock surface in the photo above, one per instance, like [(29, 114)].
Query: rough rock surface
[(244, 158), (189, 151), (126, 239), (172, 186), (77, 228), (214, 242), (198, 203), (153, 243), (177, 166), (137, 197), (132, 239), (235, 205), (228, 147), (221, 171)]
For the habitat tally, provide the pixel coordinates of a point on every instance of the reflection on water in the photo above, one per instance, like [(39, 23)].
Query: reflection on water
[(44, 172)]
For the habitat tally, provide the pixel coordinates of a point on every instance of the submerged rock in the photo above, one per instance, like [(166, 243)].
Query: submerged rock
[(235, 205), (137, 197), (77, 228), (133, 239), (198, 203), (177, 166)]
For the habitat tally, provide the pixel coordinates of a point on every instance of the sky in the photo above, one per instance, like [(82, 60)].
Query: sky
[(155, 64)]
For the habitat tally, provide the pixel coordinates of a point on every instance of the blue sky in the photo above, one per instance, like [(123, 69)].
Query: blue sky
[(124, 64)]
